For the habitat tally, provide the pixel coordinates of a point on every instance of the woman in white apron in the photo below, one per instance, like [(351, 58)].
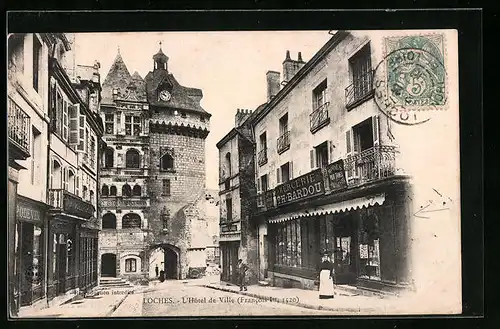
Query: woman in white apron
[(326, 278)]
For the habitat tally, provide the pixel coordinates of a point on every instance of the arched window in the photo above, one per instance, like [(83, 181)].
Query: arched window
[(130, 265), (112, 190), (105, 190), (131, 220), (84, 195), (56, 175), (109, 158), (126, 190), (228, 163), (109, 221), (71, 181), (132, 159), (136, 191), (167, 162)]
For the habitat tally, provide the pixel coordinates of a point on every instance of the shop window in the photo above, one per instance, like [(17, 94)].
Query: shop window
[(288, 244), (369, 250), (109, 221), (112, 190), (136, 191), (132, 159), (105, 190), (131, 220), (126, 190), (130, 265)]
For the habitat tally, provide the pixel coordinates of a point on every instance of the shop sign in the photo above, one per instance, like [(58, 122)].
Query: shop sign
[(77, 207), (28, 212), (300, 188), (336, 176), (229, 228)]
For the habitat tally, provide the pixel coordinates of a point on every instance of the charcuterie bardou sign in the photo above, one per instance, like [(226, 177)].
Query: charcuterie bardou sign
[(300, 188)]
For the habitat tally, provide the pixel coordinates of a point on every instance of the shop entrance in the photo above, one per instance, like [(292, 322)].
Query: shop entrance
[(108, 265), (229, 252), (344, 249)]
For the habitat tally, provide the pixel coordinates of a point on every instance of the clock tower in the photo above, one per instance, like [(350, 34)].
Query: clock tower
[(178, 127)]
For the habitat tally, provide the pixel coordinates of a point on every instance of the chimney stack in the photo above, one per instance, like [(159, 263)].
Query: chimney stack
[(291, 67), (273, 84), (241, 116)]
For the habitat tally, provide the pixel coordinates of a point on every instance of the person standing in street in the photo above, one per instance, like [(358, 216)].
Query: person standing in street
[(326, 290), (156, 270), (242, 270)]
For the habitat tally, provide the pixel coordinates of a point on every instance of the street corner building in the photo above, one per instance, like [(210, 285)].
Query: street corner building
[(54, 134), (316, 170), (152, 178)]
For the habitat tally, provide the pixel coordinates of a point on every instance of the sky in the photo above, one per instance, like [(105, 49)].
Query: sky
[(229, 67)]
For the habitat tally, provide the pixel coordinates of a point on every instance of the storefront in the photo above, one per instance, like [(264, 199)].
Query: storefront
[(229, 259), (88, 242), (29, 250), (364, 229)]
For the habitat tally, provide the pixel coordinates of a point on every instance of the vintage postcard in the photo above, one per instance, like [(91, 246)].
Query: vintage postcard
[(227, 173)]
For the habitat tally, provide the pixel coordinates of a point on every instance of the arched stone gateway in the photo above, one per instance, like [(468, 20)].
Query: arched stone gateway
[(167, 258)]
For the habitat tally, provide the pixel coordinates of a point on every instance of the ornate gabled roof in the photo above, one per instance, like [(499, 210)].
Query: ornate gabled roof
[(182, 97), (136, 89), (118, 77)]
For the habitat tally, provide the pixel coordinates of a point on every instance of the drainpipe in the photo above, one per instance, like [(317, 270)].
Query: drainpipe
[(47, 222)]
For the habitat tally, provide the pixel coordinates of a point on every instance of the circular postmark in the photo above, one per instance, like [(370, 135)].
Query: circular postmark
[(409, 85)]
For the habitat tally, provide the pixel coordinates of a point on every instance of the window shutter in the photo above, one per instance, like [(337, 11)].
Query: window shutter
[(81, 130), (376, 130), (73, 124), (65, 179), (77, 185), (290, 169), (349, 148), (278, 176), (330, 151), (348, 142), (313, 160)]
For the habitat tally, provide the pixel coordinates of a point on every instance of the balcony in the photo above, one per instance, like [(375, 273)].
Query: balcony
[(284, 142), (19, 131), (360, 90), (319, 117), (265, 200), (262, 157), (65, 202), (121, 202), (374, 163)]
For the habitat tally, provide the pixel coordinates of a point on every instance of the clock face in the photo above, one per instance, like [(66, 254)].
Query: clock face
[(165, 95)]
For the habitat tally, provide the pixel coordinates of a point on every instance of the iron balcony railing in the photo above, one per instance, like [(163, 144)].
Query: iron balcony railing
[(262, 157), (19, 129), (284, 142), (319, 117), (361, 87), (374, 163), (65, 201)]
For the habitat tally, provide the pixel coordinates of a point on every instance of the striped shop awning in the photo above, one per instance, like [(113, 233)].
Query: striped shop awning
[(347, 205)]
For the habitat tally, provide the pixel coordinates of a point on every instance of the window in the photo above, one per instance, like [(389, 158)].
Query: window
[(283, 124), (109, 120), (166, 187), (71, 181), (360, 67), (319, 116), (166, 162), (132, 159), (284, 139), (229, 209), (319, 95), (92, 152), (105, 190), (126, 190), (262, 156), (109, 158), (288, 244), (56, 176), (369, 248), (363, 136), (57, 111), (264, 183), (136, 191), (109, 221), (228, 164), (37, 58), (87, 144), (322, 155), (132, 125), (131, 220), (112, 190), (84, 193), (130, 265), (285, 173)]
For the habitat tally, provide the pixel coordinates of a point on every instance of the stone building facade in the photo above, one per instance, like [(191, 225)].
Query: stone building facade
[(160, 160), (53, 106)]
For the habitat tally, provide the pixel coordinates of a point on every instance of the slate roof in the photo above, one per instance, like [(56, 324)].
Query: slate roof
[(117, 77), (182, 97)]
